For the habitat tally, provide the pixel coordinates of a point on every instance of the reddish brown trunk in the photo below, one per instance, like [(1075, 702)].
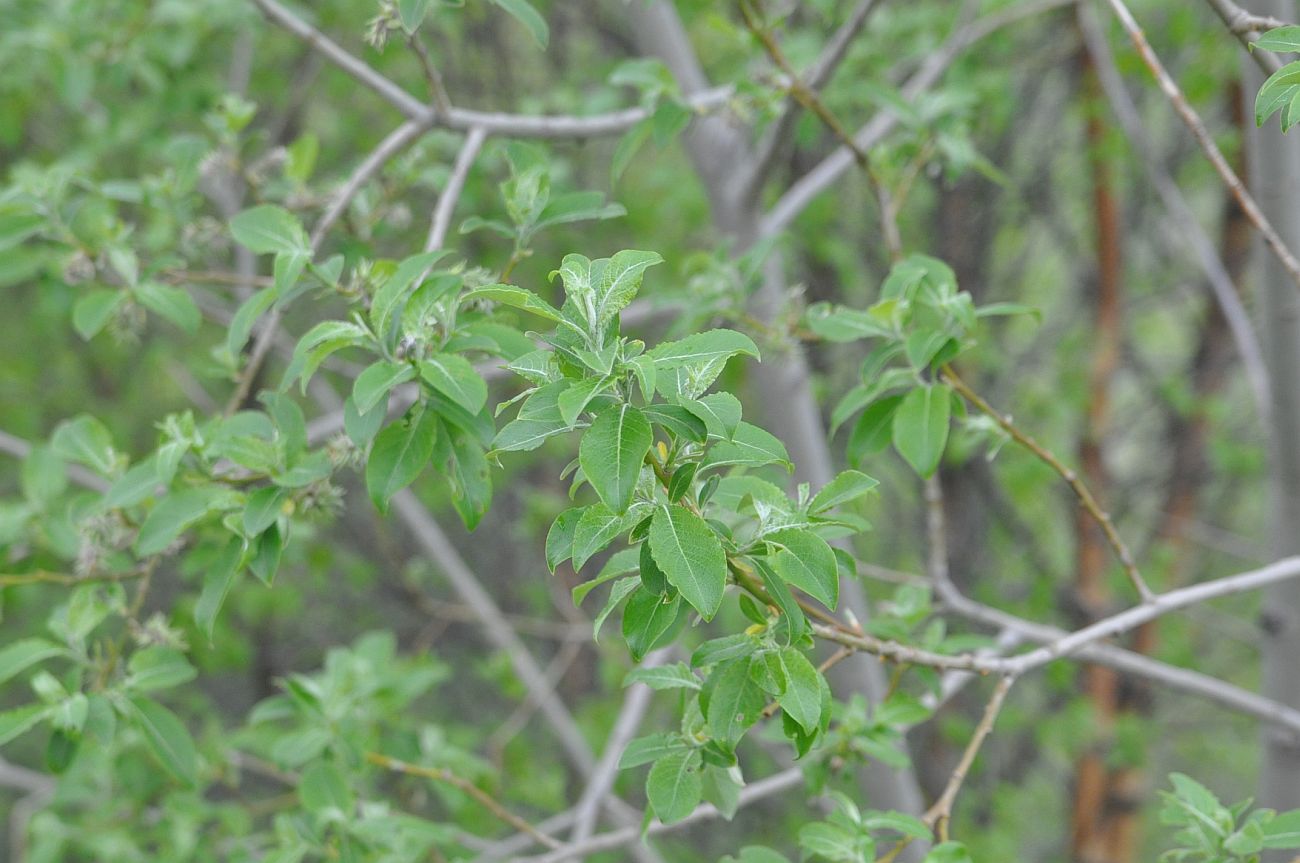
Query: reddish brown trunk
[(1090, 836)]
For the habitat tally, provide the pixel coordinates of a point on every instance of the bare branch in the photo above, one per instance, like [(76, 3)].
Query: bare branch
[(752, 793), (1221, 286), (455, 185), (487, 801), (1206, 141), (940, 813), (1246, 27), (494, 123), (1086, 499), (818, 75), (806, 189), (625, 727)]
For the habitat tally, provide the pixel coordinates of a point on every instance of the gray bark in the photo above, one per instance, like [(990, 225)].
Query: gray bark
[(1274, 163)]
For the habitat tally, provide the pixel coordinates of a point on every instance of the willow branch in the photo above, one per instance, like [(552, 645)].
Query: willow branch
[(462, 119), (455, 185), (487, 801), (938, 815), (1189, 228), (1246, 27), (1086, 499), (1205, 140)]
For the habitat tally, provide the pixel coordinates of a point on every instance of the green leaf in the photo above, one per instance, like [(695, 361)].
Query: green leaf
[(217, 582), (454, 377), (392, 294), (617, 594), (899, 822), (620, 281), (398, 455), (701, 348), (134, 486), (612, 453), (323, 787), (376, 381), (174, 304), (750, 447), (21, 719), (659, 677), (802, 698), (620, 563), (949, 852), (559, 539), (874, 429), (362, 428), (1283, 830), (317, 345), (835, 843), (412, 13), (598, 527), (84, 440), (652, 747), (262, 509), (674, 786), (680, 482), (628, 146), (734, 702), (648, 620), (248, 313), (848, 485), (574, 400), (167, 737), (805, 560), (720, 413), (676, 419), (519, 298), (921, 427), (526, 14), (94, 310), (691, 556), (1281, 39), (171, 516), (269, 229), (158, 667), (23, 654)]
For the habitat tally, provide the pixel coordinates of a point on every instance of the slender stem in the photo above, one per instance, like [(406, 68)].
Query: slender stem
[(455, 185), (441, 774), (1086, 499), (939, 815), (1206, 141), (437, 91)]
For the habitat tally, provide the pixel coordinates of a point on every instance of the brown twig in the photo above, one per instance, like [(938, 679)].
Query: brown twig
[(1086, 499), (441, 774), (1206, 141), (938, 815)]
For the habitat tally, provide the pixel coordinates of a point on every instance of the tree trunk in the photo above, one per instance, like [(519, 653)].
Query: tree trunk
[(1275, 182)]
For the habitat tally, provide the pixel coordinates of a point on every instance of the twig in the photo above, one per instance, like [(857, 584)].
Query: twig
[(750, 794), (1206, 141), (821, 177), (1086, 500), (634, 708), (441, 774), (1246, 27), (1221, 286), (509, 125), (817, 76), (41, 576), (938, 815), (455, 185), (437, 91)]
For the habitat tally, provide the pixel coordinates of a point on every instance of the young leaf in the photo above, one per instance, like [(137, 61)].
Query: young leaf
[(702, 347), (398, 455), (805, 560), (802, 698), (519, 298), (174, 304), (691, 557), (652, 747), (525, 13), (269, 229), (559, 539), (750, 447), (453, 376), (167, 737), (21, 655), (648, 620), (734, 702), (172, 515), (675, 676), (612, 453), (375, 382), (262, 509), (620, 281), (921, 427), (84, 440), (20, 719), (848, 485), (674, 785), (216, 585)]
